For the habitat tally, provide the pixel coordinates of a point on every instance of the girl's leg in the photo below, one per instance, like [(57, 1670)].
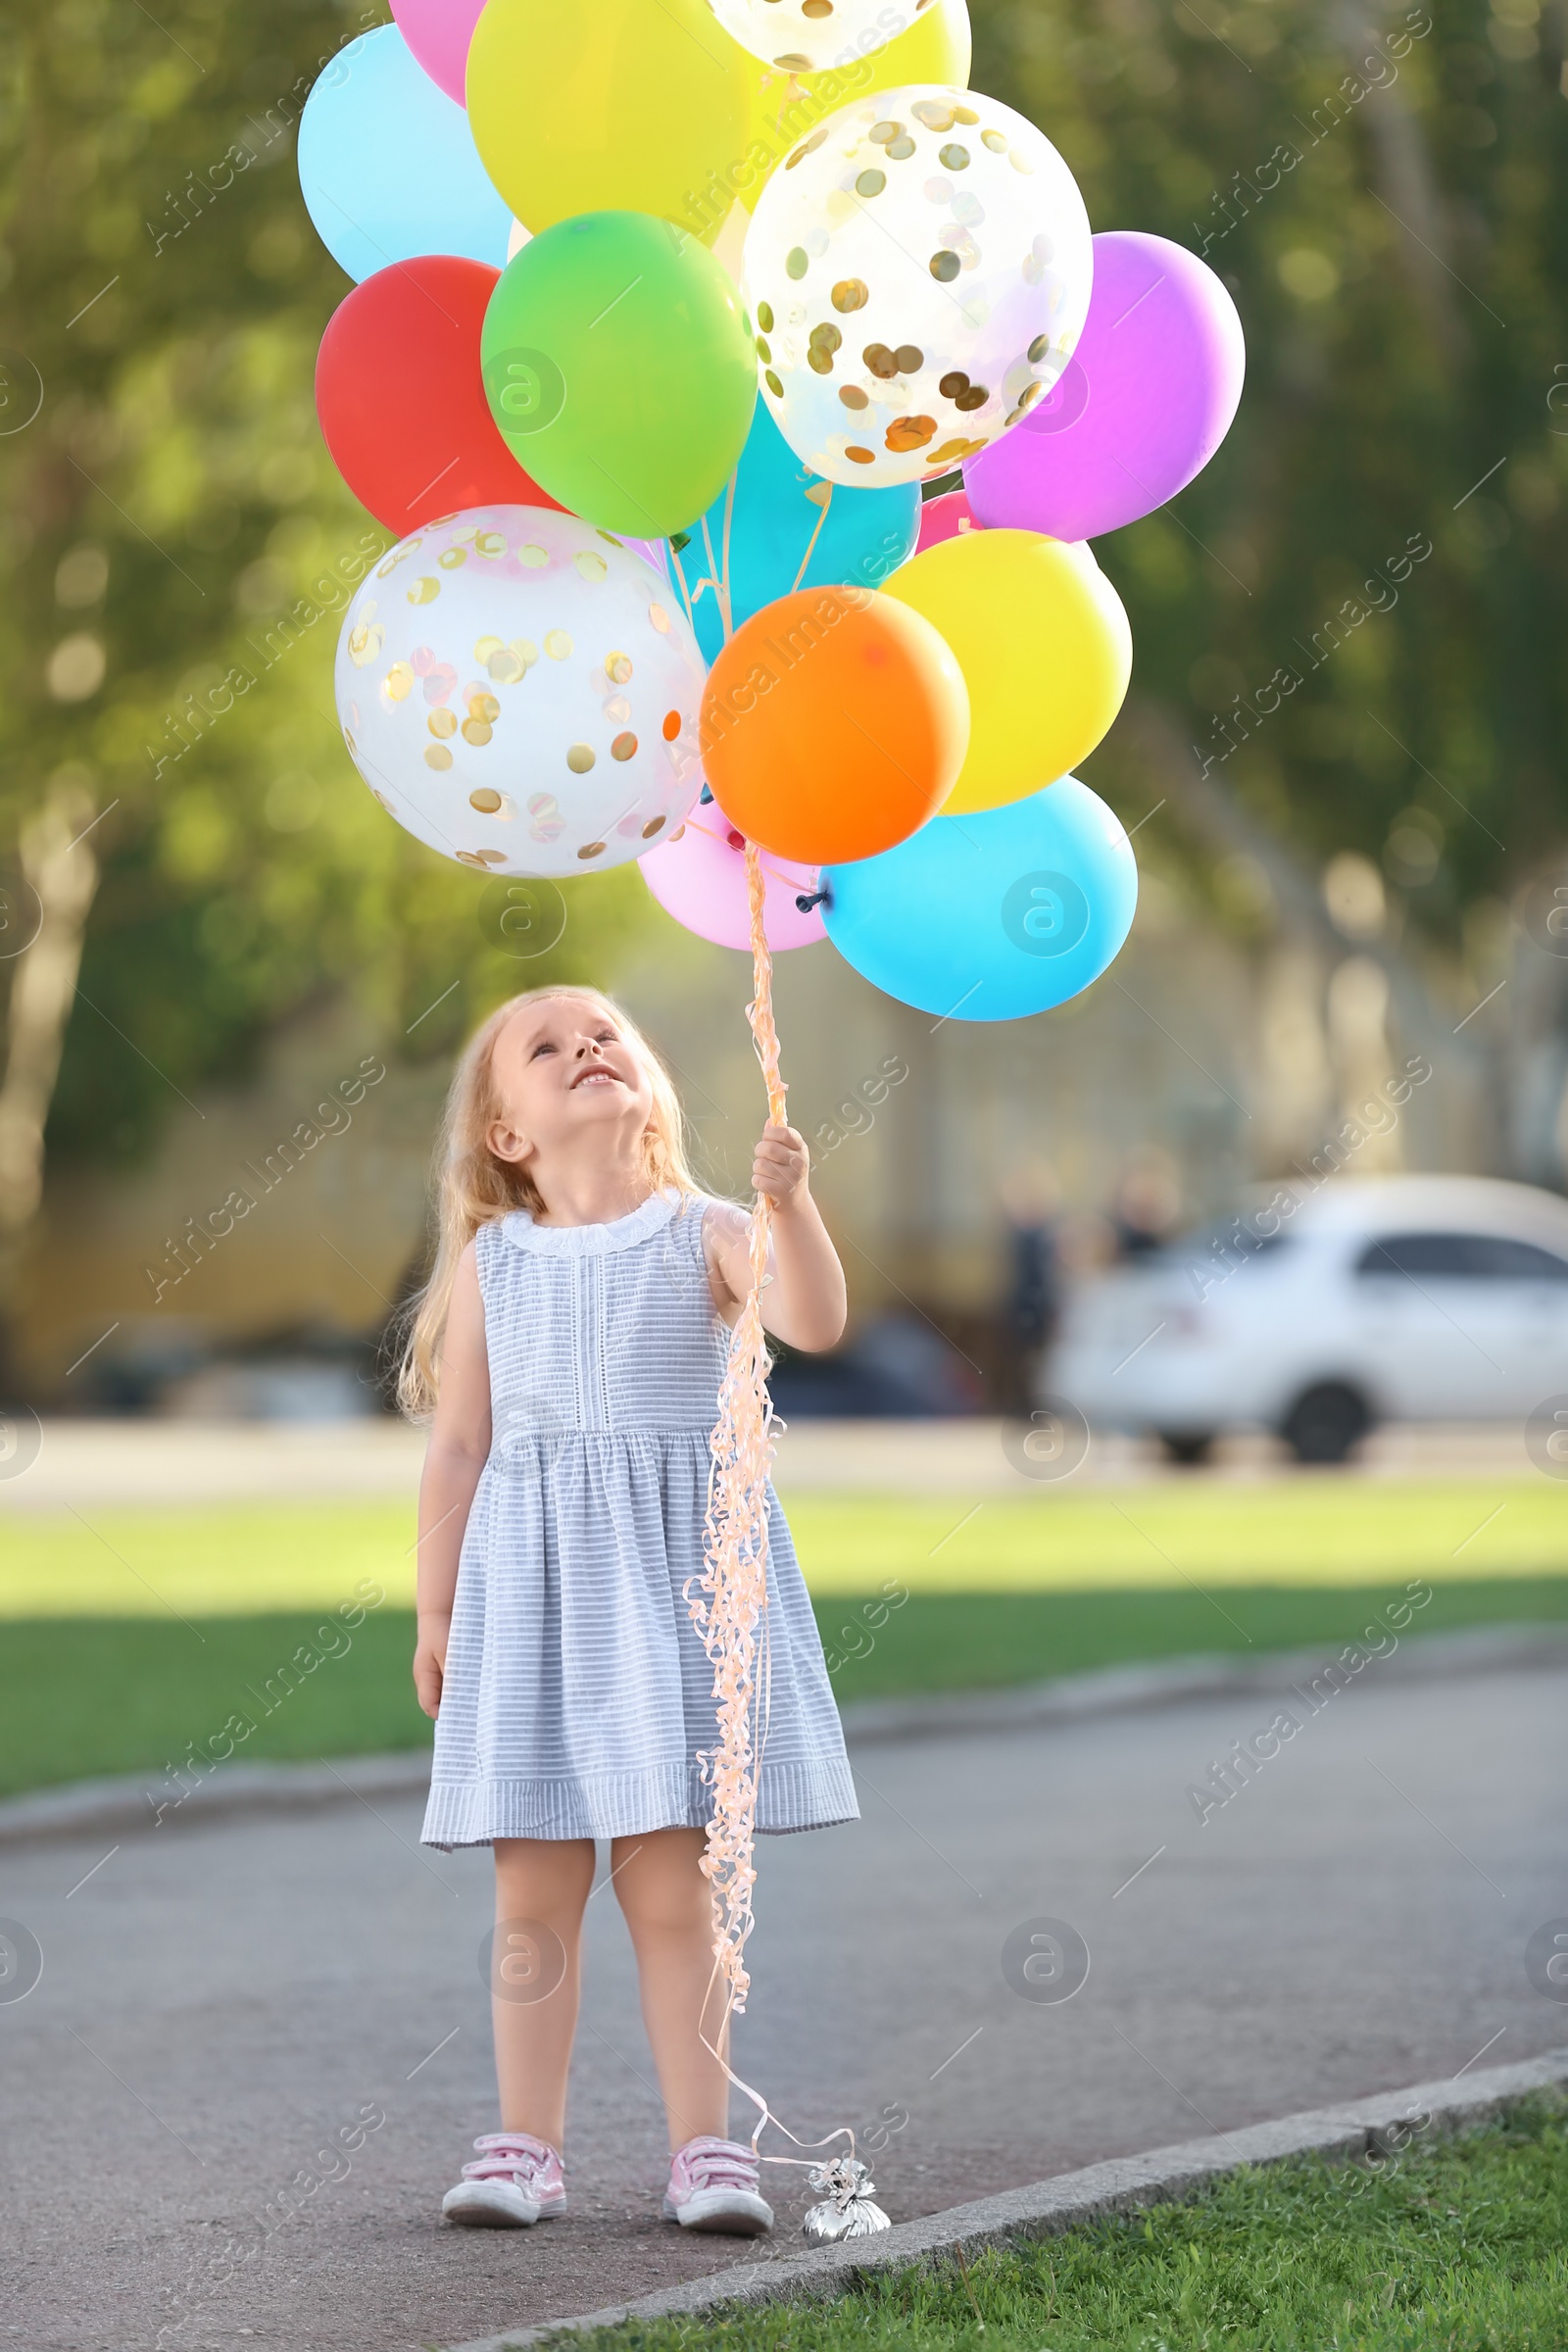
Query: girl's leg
[(668, 1909), (541, 1883)]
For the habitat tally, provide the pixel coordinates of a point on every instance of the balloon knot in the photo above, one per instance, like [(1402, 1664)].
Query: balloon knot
[(809, 898)]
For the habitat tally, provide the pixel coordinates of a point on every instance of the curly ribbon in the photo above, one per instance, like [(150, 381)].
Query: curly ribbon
[(730, 1607)]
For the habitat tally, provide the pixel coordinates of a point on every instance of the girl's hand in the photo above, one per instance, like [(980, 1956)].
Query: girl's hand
[(429, 1662), (781, 1166)]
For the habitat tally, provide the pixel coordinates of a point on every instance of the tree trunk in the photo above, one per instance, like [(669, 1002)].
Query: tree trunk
[(62, 870)]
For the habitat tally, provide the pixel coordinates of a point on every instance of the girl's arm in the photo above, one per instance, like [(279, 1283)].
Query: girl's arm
[(460, 1444), (805, 1304)]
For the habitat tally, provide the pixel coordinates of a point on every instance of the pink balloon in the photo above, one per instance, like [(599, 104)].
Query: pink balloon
[(699, 876), (1140, 408), (944, 517), (438, 31)]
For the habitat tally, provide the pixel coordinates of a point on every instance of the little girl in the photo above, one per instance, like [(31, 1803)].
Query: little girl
[(572, 1342)]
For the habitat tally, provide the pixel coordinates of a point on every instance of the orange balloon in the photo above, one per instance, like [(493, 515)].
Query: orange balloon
[(834, 723)]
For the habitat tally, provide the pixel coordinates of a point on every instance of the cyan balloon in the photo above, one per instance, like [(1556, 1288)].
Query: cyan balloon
[(388, 166), (774, 515), (993, 915)]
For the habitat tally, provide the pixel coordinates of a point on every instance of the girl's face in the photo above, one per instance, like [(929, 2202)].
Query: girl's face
[(564, 1074)]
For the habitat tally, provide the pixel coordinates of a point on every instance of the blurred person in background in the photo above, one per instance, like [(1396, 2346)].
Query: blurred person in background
[(1149, 1204), (1029, 1200)]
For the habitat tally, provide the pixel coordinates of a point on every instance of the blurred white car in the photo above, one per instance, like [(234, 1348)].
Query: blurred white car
[(1318, 1313)]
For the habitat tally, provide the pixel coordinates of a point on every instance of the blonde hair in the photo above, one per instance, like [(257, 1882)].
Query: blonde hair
[(473, 1188)]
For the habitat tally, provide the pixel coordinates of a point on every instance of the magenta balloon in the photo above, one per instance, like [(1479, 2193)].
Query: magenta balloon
[(699, 878), (944, 517), (438, 31), (1140, 408)]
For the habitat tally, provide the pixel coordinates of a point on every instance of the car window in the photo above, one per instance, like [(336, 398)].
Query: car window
[(1470, 1256), (1234, 1238)]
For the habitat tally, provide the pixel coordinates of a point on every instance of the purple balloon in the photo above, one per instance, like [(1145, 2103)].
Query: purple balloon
[(1140, 408)]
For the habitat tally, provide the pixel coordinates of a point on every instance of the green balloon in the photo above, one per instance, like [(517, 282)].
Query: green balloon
[(618, 366)]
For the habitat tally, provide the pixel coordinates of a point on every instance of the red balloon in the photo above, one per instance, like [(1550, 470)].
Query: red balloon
[(401, 399)]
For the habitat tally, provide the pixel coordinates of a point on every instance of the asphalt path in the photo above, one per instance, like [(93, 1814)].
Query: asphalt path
[(220, 2001)]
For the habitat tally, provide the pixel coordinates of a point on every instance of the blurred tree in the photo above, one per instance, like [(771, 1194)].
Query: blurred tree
[(171, 525), (1387, 197)]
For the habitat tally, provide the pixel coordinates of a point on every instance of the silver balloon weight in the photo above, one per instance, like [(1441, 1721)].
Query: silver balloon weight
[(846, 2210)]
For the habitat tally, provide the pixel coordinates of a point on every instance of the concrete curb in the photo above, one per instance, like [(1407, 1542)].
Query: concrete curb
[(1045, 2207), (122, 1806)]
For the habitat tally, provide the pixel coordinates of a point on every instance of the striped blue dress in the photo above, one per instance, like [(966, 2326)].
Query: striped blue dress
[(577, 1692)]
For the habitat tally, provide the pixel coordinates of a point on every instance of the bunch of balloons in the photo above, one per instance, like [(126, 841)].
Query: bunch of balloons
[(677, 325)]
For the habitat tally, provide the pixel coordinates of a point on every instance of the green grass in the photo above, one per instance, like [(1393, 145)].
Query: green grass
[(82, 1695), (1456, 2248), (130, 1633), (1322, 1530)]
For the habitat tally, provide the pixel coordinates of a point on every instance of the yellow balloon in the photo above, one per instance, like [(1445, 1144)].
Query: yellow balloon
[(787, 107), (1042, 639), (609, 106)]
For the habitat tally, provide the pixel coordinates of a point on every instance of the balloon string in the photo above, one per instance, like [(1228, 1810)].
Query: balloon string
[(822, 517), (730, 1607)]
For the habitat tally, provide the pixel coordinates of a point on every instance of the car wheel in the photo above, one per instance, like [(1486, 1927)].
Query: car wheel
[(1188, 1447), (1325, 1422)]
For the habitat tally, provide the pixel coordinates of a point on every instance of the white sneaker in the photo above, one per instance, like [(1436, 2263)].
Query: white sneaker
[(518, 2180), (713, 2185)]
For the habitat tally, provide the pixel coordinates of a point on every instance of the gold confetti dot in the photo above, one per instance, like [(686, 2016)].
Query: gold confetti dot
[(557, 645), (910, 359), (366, 642), (851, 294), (617, 668), (900, 149), (484, 708), (762, 351), (814, 142), (625, 747), (909, 432), (533, 556), (489, 544), (944, 267), (933, 113), (797, 261), (487, 803), (581, 759), (995, 140), (853, 397), (608, 536), (484, 647), (952, 383), (451, 556), (774, 384), (437, 756), (953, 158), (975, 397), (860, 457), (870, 183), (399, 682), (881, 362), (424, 591), (880, 133), (659, 618), (764, 316), (504, 667), (476, 732), (592, 849), (526, 651), (965, 114), (656, 824), (472, 858), (816, 8), (673, 724), (589, 565), (442, 723)]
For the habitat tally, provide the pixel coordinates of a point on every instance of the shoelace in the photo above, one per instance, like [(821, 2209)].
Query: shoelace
[(507, 2155), (721, 2166)]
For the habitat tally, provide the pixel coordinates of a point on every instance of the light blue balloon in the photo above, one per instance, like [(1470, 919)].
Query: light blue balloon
[(863, 535), (992, 916), (388, 166)]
